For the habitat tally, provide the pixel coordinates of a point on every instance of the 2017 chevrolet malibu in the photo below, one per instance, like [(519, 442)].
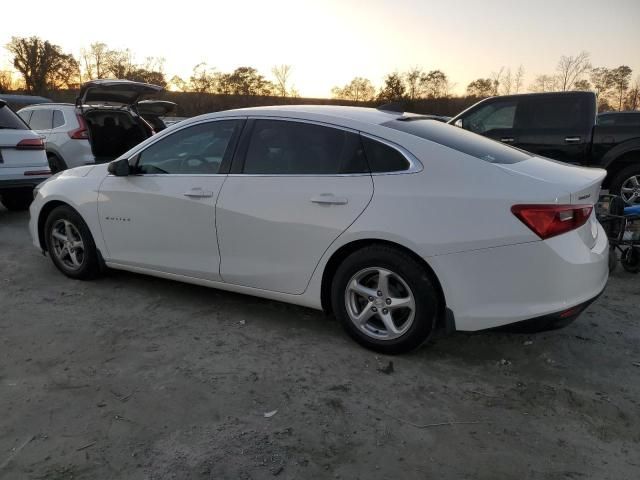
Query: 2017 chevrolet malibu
[(395, 223)]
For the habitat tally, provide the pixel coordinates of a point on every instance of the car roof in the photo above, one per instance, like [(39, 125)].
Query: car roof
[(337, 113)]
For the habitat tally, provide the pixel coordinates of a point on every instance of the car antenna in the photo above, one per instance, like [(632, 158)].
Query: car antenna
[(396, 107)]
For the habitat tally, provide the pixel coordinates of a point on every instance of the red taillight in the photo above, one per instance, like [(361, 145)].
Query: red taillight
[(82, 132), (31, 144), (547, 221)]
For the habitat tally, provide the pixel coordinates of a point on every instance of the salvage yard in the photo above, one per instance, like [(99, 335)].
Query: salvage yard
[(141, 378)]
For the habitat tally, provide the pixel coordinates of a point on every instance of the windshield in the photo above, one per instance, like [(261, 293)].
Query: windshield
[(459, 139), (9, 120)]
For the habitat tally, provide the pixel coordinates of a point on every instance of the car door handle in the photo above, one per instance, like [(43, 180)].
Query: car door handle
[(507, 139), (572, 139), (198, 193), (329, 199)]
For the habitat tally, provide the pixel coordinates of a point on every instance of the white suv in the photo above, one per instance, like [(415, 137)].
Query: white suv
[(23, 163), (106, 121)]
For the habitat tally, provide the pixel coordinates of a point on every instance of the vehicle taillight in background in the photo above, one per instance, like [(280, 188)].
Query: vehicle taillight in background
[(82, 132), (31, 144), (548, 221)]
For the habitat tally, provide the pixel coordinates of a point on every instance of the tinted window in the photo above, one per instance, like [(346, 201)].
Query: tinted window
[(492, 116), (619, 119), (58, 119), (41, 119), (194, 150), (383, 158), (293, 148), (10, 120), (460, 140), (551, 112)]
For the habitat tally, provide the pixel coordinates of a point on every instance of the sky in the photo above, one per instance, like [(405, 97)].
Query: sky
[(328, 42)]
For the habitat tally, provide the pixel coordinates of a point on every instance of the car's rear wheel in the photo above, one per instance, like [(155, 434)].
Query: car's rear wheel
[(385, 299), (56, 164), (627, 184), (17, 200), (70, 244)]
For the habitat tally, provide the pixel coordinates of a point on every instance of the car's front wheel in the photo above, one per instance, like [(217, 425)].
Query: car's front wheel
[(70, 244), (385, 299)]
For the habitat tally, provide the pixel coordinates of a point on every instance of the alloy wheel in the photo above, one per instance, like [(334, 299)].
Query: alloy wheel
[(630, 190), (380, 303), (67, 243)]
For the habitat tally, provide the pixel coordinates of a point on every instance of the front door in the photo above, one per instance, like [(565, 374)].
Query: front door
[(299, 187), (162, 217)]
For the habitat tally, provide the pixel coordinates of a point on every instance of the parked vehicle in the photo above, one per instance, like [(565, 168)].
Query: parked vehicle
[(23, 163), (626, 118), (16, 102), (562, 126), (358, 211), (103, 124)]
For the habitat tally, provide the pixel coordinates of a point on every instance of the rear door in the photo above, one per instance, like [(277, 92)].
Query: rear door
[(556, 126), (297, 186), (494, 119)]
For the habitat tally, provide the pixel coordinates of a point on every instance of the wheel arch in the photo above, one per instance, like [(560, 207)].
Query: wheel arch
[(347, 249), (619, 158)]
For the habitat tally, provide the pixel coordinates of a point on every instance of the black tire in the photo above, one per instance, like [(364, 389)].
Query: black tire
[(630, 260), (18, 200), (89, 263), (56, 164), (622, 176), (412, 273)]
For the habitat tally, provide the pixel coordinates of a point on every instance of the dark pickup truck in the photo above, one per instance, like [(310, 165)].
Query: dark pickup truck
[(562, 126)]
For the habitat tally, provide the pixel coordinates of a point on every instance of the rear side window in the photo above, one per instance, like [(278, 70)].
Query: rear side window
[(58, 119), (460, 140), (551, 112), (10, 120), (383, 158), (280, 147), (25, 115), (41, 119)]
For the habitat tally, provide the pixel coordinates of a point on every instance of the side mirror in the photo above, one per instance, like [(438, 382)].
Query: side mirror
[(458, 123), (119, 168)]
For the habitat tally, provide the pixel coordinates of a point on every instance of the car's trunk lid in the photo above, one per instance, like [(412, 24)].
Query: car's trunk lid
[(13, 154), (154, 107), (123, 92), (581, 183)]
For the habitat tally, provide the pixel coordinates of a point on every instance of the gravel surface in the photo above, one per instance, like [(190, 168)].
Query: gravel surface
[(133, 377)]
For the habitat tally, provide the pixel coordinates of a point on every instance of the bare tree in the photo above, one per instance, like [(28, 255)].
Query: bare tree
[(545, 83), (203, 79), (6, 81), (482, 87), (620, 77), (518, 80), (358, 90), (414, 85), (582, 85), (435, 84), (94, 60), (506, 84), (633, 97), (571, 69), (178, 84), (119, 63), (281, 73)]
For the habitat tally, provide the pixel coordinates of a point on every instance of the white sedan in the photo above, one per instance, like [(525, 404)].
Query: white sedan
[(396, 223)]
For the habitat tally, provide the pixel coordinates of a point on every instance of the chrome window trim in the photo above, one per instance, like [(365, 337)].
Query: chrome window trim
[(414, 164)]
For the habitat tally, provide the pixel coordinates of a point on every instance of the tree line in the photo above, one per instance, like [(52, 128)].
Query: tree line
[(43, 67)]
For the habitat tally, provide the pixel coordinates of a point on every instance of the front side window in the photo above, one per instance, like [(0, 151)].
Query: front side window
[(41, 119), (196, 150), (280, 147), (493, 116)]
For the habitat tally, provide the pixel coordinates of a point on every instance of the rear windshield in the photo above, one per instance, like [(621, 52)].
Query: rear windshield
[(459, 139), (9, 120)]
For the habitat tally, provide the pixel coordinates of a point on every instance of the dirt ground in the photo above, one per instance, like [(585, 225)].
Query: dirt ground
[(132, 377)]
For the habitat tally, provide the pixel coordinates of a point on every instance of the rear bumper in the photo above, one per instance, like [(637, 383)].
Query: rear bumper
[(500, 286), (21, 183)]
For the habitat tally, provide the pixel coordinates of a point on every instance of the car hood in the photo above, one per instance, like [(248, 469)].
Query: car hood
[(124, 92), (155, 107)]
